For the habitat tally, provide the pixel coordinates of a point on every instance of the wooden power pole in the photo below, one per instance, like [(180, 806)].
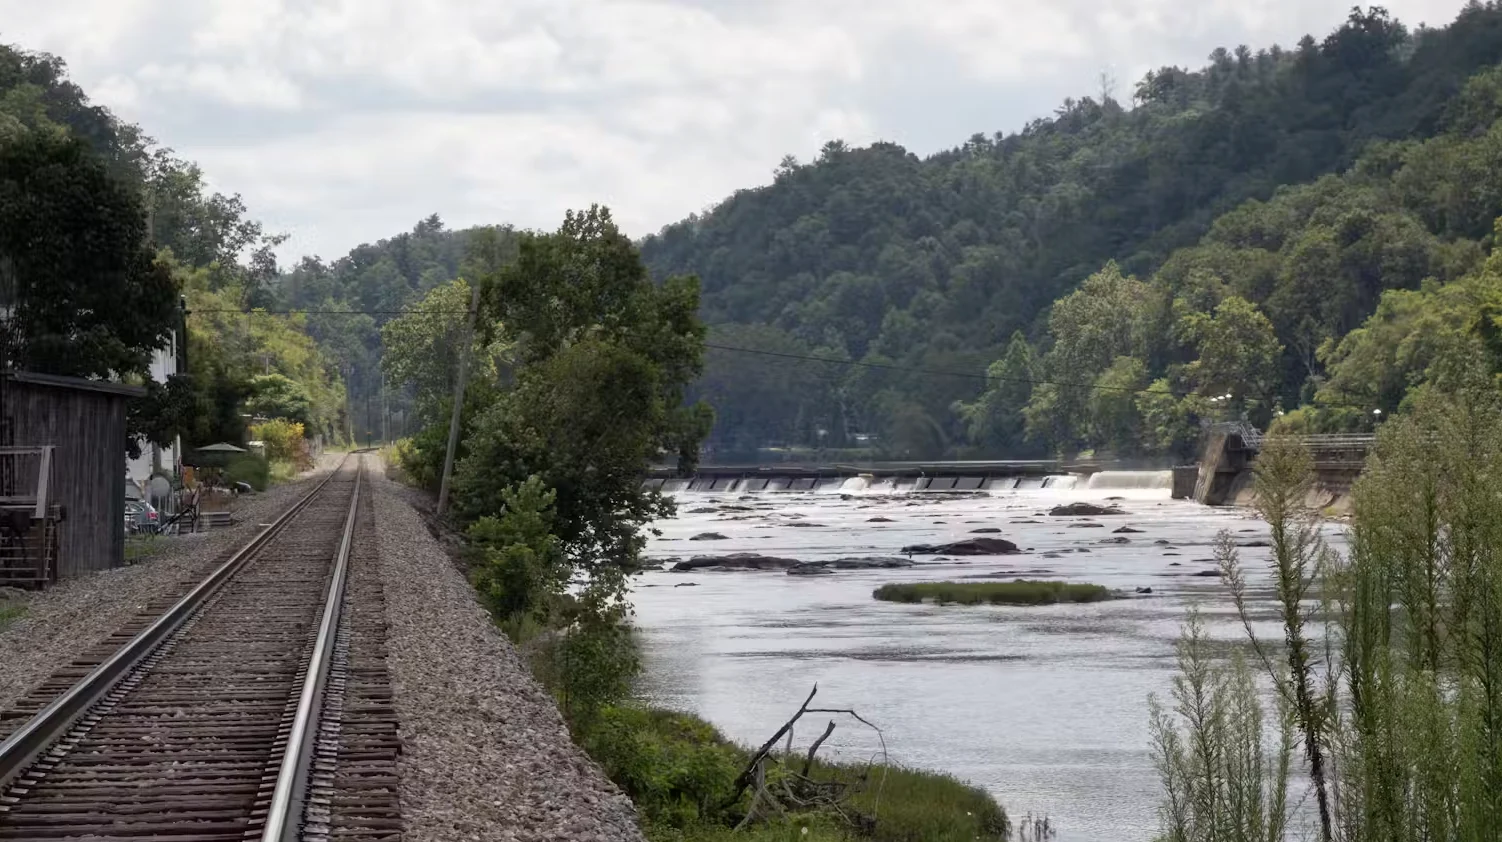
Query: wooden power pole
[(466, 341)]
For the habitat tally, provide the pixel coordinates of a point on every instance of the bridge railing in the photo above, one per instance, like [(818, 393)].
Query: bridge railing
[(1255, 439)]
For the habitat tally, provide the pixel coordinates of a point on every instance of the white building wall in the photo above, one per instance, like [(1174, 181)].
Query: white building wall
[(139, 470)]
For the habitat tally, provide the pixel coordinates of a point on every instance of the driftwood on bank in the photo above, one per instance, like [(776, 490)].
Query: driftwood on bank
[(797, 790)]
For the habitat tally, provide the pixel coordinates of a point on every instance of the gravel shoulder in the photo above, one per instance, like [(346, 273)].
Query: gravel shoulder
[(73, 616), (486, 754)]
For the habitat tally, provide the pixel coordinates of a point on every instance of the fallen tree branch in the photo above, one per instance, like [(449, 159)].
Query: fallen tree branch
[(808, 762), (747, 775), (880, 737)]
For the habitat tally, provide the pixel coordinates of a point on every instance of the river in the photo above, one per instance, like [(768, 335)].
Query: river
[(1045, 707)]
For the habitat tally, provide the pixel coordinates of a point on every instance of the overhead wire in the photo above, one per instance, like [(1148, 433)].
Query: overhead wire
[(894, 367), (969, 375)]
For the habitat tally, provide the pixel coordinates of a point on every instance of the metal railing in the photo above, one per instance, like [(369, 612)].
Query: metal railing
[(1255, 439)]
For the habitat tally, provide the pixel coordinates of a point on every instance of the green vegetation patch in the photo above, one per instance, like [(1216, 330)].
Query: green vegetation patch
[(1018, 592), (141, 546), (11, 612), (680, 771)]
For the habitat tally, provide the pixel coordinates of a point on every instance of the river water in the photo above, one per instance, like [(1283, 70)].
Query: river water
[(1045, 707)]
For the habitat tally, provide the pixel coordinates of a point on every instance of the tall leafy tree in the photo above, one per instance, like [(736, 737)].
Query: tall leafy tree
[(994, 421), (604, 356), (85, 293)]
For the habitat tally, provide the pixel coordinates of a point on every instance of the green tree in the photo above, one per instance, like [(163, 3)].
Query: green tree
[(86, 296), (1115, 421), (420, 348), (275, 396), (1238, 355), (762, 398), (604, 358), (1091, 328), (994, 421), (1170, 422), (1420, 601)]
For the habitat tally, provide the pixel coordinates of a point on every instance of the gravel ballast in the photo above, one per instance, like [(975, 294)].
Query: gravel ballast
[(486, 755), (76, 614)]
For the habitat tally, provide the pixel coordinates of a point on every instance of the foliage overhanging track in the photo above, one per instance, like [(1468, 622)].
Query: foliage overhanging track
[(205, 724)]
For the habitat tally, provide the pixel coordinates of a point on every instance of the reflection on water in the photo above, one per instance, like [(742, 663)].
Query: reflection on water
[(1044, 706)]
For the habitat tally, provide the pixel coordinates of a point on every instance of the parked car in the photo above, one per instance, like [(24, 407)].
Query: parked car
[(141, 516)]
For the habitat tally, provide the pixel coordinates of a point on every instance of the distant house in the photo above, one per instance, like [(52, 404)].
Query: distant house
[(161, 459)]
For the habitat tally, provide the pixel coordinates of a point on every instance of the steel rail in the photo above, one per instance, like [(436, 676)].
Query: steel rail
[(288, 799), (25, 745)]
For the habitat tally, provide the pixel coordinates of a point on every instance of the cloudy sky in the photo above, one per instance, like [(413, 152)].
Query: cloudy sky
[(344, 121)]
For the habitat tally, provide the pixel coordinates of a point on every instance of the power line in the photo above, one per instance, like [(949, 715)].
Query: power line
[(260, 312), (906, 369), (933, 372), (969, 375)]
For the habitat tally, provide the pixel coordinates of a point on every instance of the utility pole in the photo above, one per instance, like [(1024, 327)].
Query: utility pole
[(465, 342)]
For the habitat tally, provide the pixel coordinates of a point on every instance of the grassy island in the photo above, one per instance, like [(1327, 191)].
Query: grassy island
[(1018, 592)]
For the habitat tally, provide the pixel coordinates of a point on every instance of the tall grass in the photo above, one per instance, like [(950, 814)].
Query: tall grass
[(679, 770), (1018, 592), (1388, 673)]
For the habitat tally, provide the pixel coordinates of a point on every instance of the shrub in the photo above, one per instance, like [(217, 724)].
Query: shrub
[(249, 468), (676, 768), (421, 456), (1019, 592), (284, 442), (518, 568)]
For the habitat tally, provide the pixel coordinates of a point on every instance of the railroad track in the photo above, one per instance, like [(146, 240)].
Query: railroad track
[(255, 707)]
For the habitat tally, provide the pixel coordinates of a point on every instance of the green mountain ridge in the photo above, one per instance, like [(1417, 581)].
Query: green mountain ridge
[(1300, 182)]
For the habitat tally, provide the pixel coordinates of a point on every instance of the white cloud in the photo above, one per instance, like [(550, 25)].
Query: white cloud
[(343, 121)]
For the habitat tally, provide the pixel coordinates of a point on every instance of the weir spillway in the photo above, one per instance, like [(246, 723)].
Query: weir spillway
[(908, 477)]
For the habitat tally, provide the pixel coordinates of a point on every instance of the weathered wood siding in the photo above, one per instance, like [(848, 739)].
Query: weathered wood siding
[(88, 468)]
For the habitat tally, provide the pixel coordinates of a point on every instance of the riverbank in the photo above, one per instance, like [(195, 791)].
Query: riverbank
[(680, 771)]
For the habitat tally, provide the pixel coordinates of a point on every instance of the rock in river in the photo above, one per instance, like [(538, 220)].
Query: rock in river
[(1126, 530), (1085, 525), (985, 530), (806, 524), (735, 561), (1118, 540), (879, 520), (969, 546), (709, 536), (1080, 509), (817, 568)]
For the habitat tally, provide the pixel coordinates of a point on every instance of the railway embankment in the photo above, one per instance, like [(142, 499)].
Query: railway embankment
[(485, 752)]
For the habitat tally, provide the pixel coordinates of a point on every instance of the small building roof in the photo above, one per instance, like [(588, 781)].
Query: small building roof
[(58, 381), (221, 447)]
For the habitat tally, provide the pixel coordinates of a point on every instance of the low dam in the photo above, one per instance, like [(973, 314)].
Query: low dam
[(905, 477)]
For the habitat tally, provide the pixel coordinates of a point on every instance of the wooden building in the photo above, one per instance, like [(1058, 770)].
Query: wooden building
[(84, 423)]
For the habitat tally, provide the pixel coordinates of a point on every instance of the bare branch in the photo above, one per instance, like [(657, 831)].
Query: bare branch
[(744, 779), (808, 762)]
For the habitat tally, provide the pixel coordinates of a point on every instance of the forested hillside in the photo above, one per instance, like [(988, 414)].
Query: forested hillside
[(1238, 225), (81, 189), (348, 300)]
